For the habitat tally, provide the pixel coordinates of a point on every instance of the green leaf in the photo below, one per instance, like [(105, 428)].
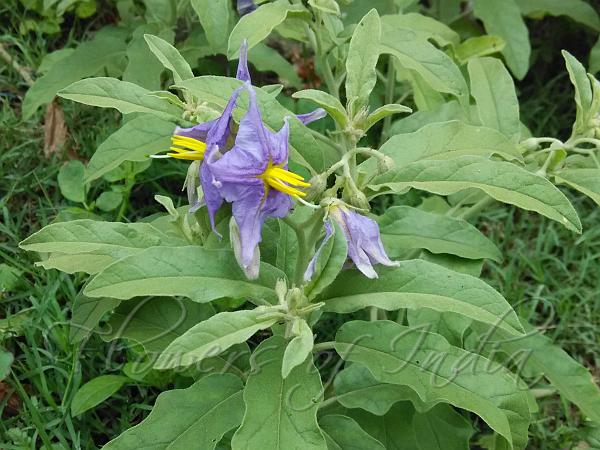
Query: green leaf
[(577, 10), (280, 413), (215, 335), (287, 249), (199, 274), (595, 57), (169, 57), (126, 97), (134, 141), (109, 200), (155, 322), (299, 348), (304, 149), (445, 140), (478, 46), (420, 284), (442, 428), (94, 392), (326, 6), (6, 359), (10, 277), (503, 181), (572, 380), (329, 263), (267, 59), (214, 17), (415, 53), (495, 96), (426, 28), (361, 61), (393, 430), (257, 26), (343, 433), (326, 101), (403, 227), (584, 97), (586, 181), (450, 325), (143, 68), (385, 111), (70, 181), (355, 387), (471, 267), (89, 58), (439, 372), (87, 313), (504, 19), (196, 417), (101, 242)]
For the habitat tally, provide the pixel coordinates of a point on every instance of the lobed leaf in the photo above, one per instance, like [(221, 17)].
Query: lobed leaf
[(205, 412)]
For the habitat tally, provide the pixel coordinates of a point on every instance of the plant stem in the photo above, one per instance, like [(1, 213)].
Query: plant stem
[(476, 208), (322, 346)]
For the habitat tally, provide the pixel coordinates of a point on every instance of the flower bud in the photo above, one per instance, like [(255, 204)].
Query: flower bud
[(385, 164), (355, 197)]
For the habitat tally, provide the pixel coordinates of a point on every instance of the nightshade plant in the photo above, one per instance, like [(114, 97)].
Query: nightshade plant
[(225, 298)]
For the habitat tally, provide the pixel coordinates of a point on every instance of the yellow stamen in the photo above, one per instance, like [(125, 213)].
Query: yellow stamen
[(277, 177), (187, 148)]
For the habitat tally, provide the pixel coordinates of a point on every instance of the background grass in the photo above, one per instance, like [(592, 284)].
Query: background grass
[(548, 273)]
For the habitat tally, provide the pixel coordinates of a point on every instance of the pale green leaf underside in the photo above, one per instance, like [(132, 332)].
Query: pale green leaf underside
[(196, 417), (503, 181), (421, 284), (586, 181), (437, 371), (193, 272)]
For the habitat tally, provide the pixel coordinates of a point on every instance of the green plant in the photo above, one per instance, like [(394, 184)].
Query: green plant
[(454, 341)]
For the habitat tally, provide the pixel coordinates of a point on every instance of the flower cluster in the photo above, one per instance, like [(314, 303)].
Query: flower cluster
[(249, 170)]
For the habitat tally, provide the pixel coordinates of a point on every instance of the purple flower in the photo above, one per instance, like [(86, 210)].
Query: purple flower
[(364, 241), (245, 6), (253, 177)]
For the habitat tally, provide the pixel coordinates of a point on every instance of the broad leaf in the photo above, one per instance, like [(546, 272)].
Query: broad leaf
[(445, 140), (304, 148), (106, 49), (587, 103), (385, 111), (578, 10), (193, 272), (214, 17), (424, 27), (267, 59), (504, 19), (94, 392), (126, 97), (403, 227), (92, 245), (257, 26), (87, 313), (70, 181), (143, 68), (413, 52), (155, 322), (361, 61), (204, 413), (494, 92), (439, 372), (215, 335), (421, 284), (169, 57), (299, 348), (355, 387), (343, 433), (280, 413), (537, 352), (503, 181), (441, 428), (586, 181), (479, 46), (134, 141)]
